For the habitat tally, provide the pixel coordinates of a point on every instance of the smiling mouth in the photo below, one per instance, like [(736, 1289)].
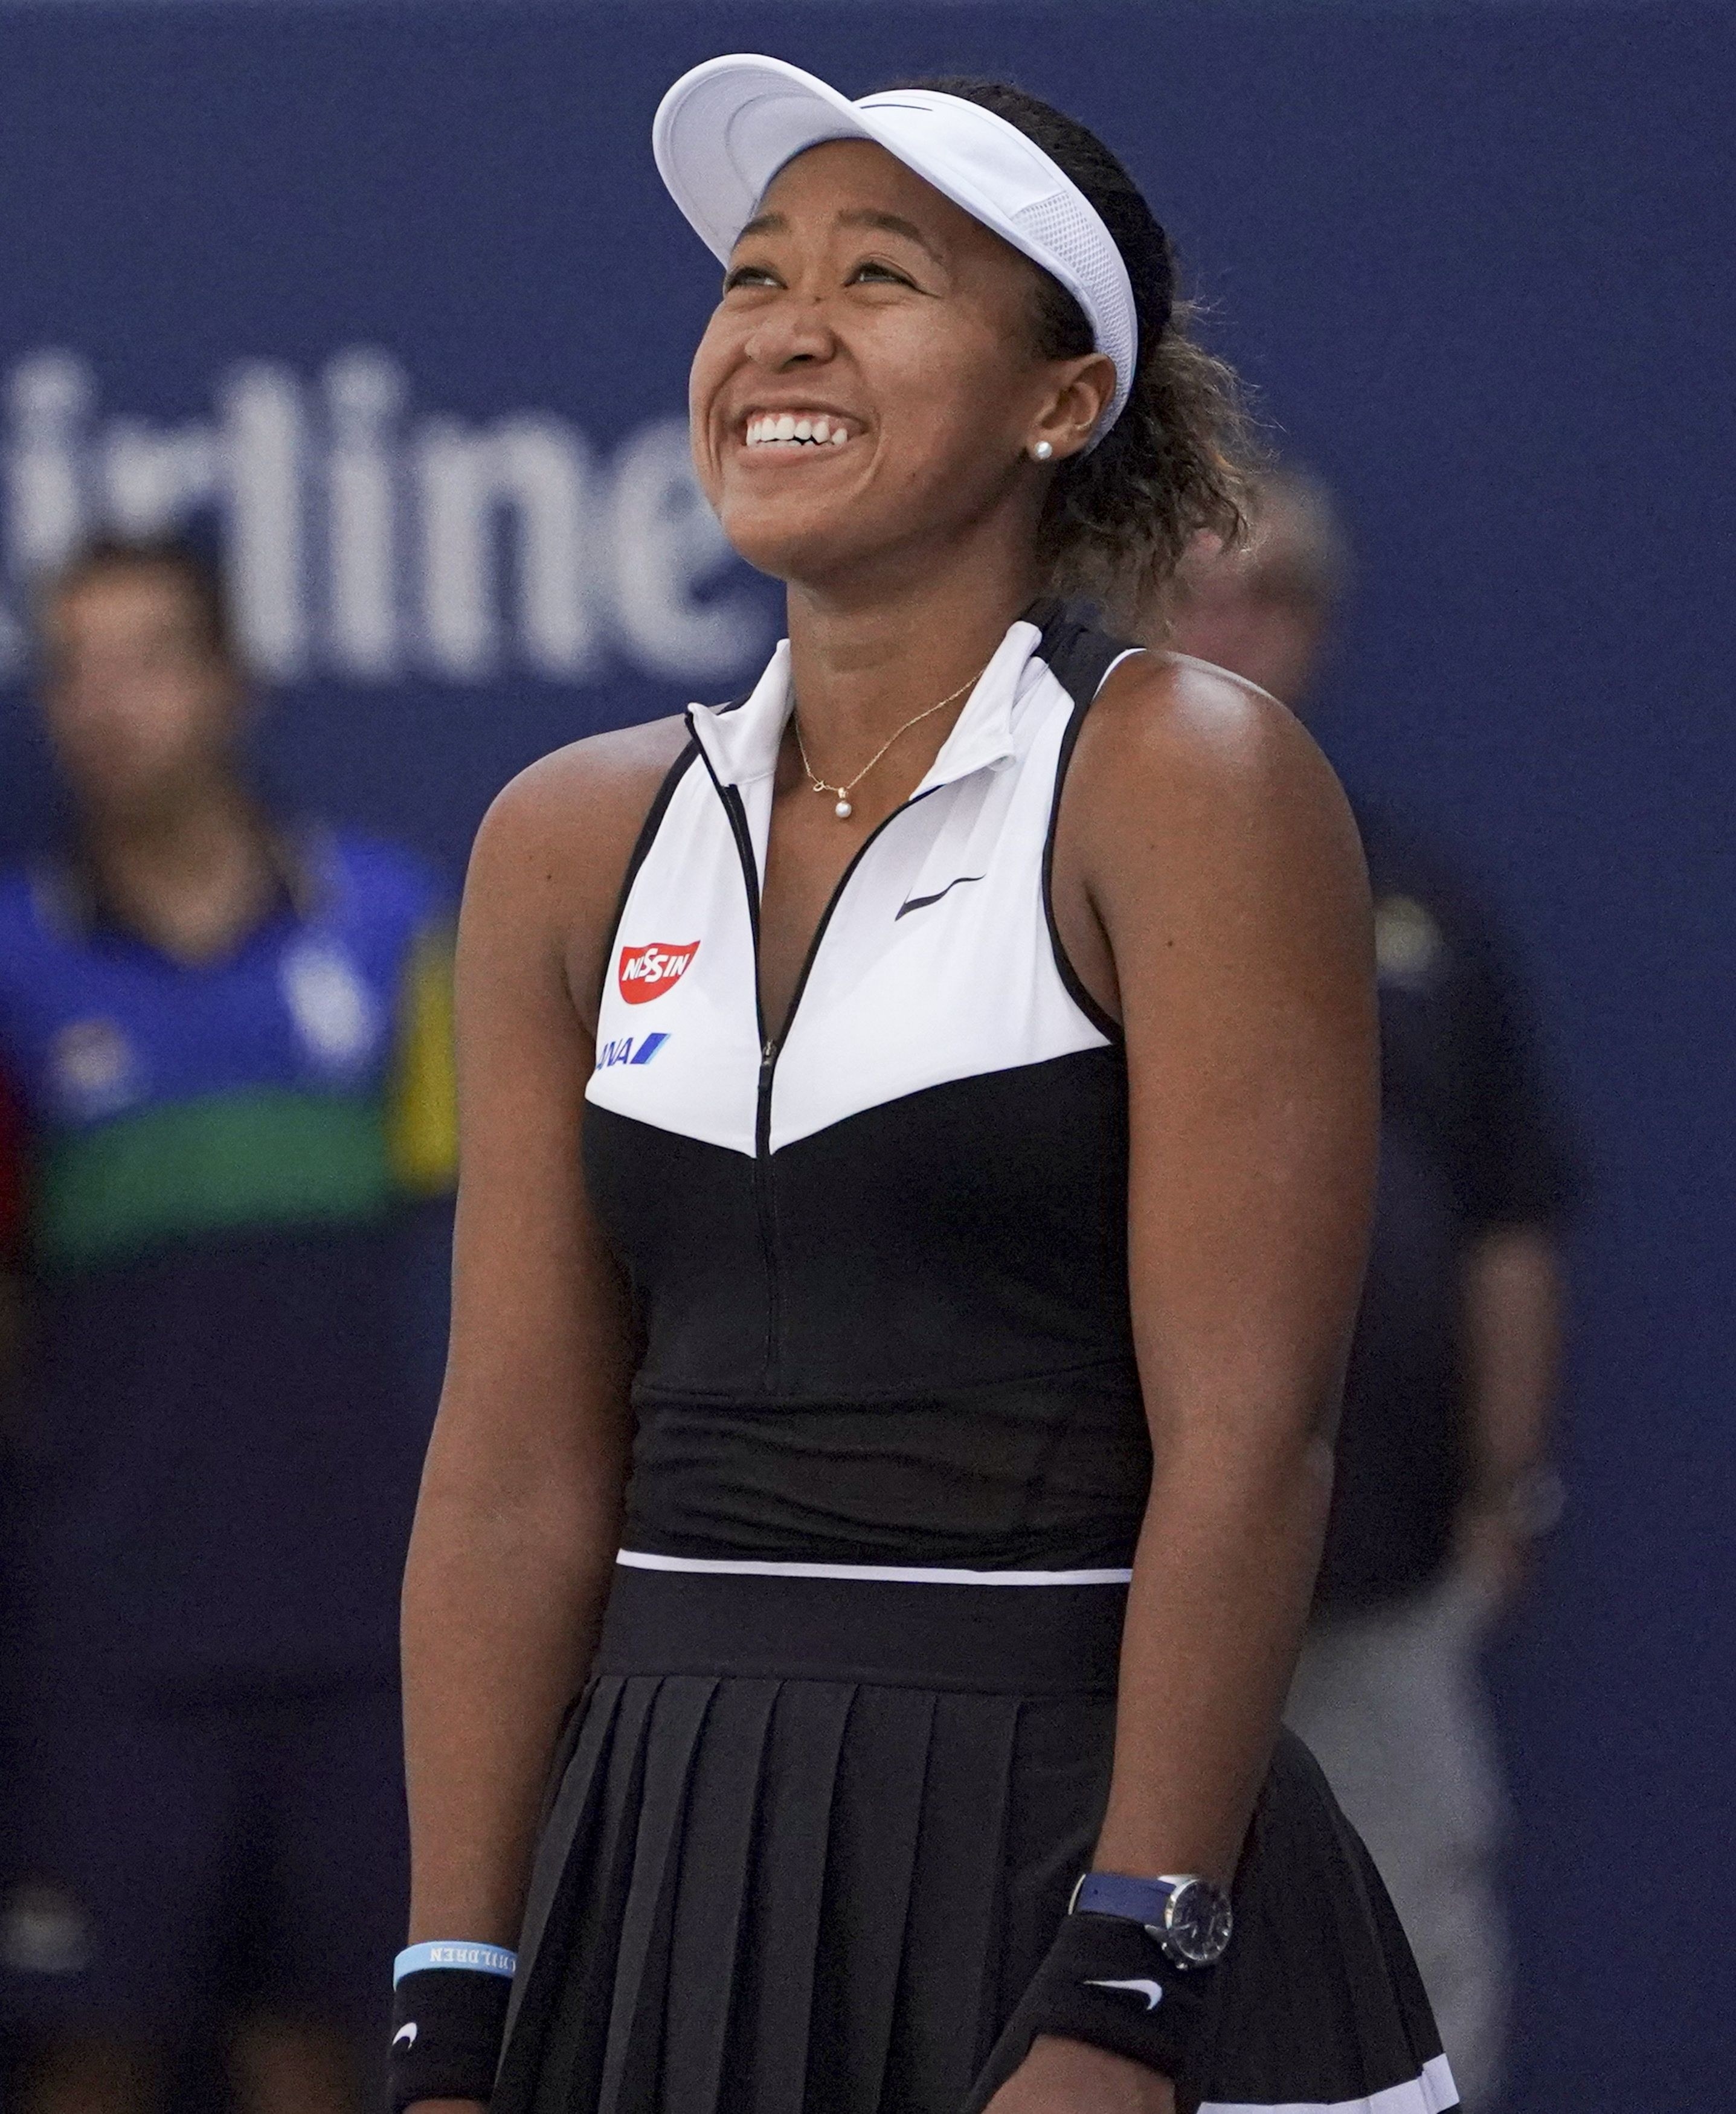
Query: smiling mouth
[(795, 433)]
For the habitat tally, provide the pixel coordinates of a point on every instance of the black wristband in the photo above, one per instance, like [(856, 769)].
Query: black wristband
[(448, 2025), (1106, 1981)]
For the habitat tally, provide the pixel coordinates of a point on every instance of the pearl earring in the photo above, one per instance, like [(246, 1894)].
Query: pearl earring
[(1042, 451)]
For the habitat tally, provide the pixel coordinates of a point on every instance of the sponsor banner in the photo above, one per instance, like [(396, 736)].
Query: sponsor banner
[(370, 535)]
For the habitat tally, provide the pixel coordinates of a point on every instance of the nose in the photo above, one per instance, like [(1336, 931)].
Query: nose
[(795, 334)]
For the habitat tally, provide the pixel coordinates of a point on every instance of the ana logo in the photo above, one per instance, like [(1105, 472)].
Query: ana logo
[(629, 1050), (646, 973)]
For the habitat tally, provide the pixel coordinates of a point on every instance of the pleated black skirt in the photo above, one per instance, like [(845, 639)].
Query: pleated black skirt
[(809, 1840)]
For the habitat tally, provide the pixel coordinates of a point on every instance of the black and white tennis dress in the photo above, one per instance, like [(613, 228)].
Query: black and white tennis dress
[(846, 1744)]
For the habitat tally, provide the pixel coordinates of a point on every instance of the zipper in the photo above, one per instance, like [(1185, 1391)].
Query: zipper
[(764, 1206), (771, 1047)]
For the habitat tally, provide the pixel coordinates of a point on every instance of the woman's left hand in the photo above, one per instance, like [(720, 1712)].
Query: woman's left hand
[(1069, 2077)]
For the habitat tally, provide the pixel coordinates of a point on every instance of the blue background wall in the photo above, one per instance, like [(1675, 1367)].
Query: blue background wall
[(1477, 258)]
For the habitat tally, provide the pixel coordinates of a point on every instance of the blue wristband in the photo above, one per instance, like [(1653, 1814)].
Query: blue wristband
[(454, 1953)]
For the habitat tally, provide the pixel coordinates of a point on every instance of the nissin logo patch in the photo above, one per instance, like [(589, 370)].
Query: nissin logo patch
[(646, 973), (629, 1050)]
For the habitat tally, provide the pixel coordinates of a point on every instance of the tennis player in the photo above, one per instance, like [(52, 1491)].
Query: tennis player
[(919, 1127)]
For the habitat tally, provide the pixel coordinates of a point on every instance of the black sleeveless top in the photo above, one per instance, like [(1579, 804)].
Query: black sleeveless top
[(879, 1265)]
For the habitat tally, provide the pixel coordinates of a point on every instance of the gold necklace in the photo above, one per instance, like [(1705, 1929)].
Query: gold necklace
[(843, 810)]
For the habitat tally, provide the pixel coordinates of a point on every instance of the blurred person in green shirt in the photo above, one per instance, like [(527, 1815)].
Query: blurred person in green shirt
[(225, 1035)]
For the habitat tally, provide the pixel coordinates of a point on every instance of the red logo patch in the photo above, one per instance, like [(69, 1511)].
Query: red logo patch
[(646, 973)]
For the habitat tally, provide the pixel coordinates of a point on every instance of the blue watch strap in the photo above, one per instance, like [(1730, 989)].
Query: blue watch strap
[(1114, 1894)]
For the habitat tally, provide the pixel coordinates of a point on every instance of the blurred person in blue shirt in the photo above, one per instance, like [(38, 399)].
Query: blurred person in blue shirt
[(1443, 1477), (227, 1039)]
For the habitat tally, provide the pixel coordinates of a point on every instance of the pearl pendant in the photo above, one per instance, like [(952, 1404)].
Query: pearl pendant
[(844, 810)]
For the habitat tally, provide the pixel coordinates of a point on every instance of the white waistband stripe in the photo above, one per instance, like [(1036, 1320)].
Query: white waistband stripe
[(1432, 2093), (892, 1574)]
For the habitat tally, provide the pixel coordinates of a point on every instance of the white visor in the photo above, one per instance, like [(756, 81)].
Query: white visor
[(724, 130)]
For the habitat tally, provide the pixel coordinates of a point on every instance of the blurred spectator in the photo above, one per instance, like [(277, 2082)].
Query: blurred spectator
[(228, 1038), (1443, 1476)]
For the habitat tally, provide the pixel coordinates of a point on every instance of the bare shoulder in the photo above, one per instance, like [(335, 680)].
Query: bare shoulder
[(1201, 827), (1179, 732), (571, 805), (1180, 763), (552, 850)]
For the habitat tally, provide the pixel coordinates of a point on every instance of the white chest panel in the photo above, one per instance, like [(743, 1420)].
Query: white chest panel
[(935, 964)]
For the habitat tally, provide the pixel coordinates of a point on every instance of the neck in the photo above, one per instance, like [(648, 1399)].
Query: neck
[(868, 651), (192, 873)]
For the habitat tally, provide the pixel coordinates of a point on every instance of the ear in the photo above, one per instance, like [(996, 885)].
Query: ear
[(1084, 390)]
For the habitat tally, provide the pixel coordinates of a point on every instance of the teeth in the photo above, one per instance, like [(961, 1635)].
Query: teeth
[(771, 427)]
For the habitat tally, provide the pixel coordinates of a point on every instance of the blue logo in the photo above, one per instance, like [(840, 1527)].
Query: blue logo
[(629, 1050)]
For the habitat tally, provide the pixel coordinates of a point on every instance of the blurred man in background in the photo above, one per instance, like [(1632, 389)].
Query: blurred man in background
[(228, 1040), (1443, 1476)]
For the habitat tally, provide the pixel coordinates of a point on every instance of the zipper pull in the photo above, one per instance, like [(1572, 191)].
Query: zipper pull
[(768, 1057)]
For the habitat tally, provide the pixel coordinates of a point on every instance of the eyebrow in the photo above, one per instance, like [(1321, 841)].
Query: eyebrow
[(884, 223), (889, 223)]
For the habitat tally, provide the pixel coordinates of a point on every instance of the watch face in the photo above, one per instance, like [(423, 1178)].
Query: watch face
[(1197, 1924)]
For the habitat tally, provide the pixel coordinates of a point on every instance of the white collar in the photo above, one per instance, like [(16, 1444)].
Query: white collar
[(741, 741)]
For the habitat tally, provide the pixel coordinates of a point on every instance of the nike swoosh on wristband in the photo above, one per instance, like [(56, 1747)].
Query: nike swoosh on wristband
[(921, 902), (407, 2034), (1153, 1992)]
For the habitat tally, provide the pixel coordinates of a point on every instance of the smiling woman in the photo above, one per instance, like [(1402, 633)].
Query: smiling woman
[(886, 1446), (1165, 461)]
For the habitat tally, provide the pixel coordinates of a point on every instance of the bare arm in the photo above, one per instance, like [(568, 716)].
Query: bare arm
[(1513, 1294), (1222, 867), (1209, 889), (516, 1528)]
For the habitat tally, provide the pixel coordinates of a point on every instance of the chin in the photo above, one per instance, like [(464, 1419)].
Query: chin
[(793, 542)]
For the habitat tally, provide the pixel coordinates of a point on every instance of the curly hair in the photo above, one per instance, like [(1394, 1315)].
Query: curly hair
[(1181, 457)]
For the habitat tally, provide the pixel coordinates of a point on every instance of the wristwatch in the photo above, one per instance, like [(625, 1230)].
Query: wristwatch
[(1189, 1917)]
